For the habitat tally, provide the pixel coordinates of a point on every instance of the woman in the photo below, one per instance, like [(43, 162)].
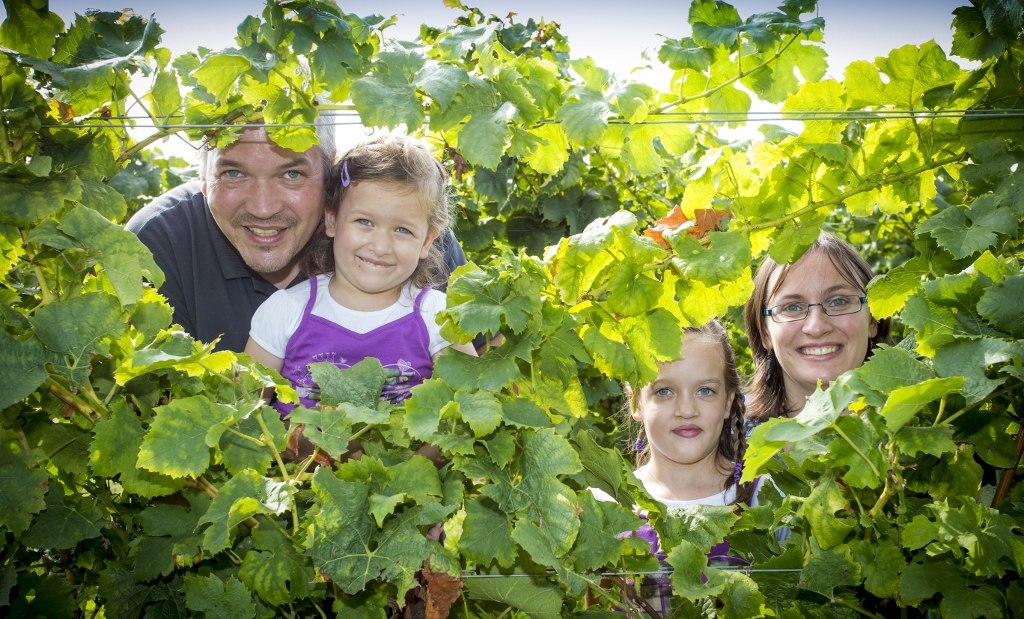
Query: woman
[(808, 322)]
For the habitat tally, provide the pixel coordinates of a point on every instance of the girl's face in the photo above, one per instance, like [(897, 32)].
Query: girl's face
[(685, 409), (818, 347), (380, 234)]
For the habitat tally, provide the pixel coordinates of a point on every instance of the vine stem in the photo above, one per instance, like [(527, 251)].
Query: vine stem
[(835, 200), (874, 469), (1006, 479), (68, 397), (44, 288), (740, 75)]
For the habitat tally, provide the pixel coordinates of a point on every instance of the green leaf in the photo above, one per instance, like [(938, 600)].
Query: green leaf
[(329, 429), (482, 140), (881, 564), (821, 508), (441, 82), (481, 411), (829, 570), (887, 293), (218, 72), (933, 441), (724, 259), (537, 597), (584, 118), (241, 497), (22, 490), (240, 453), (274, 570), (75, 327), (114, 451), (218, 599), (920, 581), (487, 534), (688, 567), (857, 449), (423, 409), (22, 368), (715, 24), (384, 104), (969, 362), (125, 260), (601, 523), (30, 29), (905, 402), (966, 231), (25, 204), (685, 54), (1000, 305), (179, 440), (64, 523), (360, 384)]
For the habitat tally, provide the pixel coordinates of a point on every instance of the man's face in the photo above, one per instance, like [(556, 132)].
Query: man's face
[(267, 201)]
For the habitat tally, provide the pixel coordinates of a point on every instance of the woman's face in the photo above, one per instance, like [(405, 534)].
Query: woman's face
[(818, 347)]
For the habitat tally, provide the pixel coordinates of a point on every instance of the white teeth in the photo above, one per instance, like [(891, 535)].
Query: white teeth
[(820, 350)]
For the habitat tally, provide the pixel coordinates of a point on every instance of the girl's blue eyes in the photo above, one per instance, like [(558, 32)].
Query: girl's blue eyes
[(665, 392)]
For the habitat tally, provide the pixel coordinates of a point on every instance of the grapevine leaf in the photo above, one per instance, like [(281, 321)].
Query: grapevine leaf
[(178, 441), (360, 384), (913, 71), (1000, 305), (933, 441), (22, 368), (75, 327), (63, 525), (328, 428), (828, 570), (888, 293), (482, 140), (965, 231), (820, 509), (584, 117), (218, 599), (346, 546), (243, 496), (905, 402), (867, 466), (889, 368), (741, 597), (218, 72), (441, 82), (537, 597), (423, 409), (920, 581), (689, 563), (481, 411), (969, 361), (715, 24), (881, 564), (240, 453), (523, 413), (114, 451), (552, 152), (274, 570), (724, 259), (601, 522), (416, 478), (125, 260), (487, 534), (30, 30), (22, 491), (685, 53), (384, 104)]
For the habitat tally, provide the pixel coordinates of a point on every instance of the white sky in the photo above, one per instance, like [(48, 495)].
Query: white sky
[(614, 32)]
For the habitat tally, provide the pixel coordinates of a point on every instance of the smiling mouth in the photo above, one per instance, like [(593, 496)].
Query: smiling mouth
[(264, 233), (818, 351)]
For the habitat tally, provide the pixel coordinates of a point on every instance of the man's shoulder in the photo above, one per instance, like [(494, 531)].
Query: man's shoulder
[(171, 209)]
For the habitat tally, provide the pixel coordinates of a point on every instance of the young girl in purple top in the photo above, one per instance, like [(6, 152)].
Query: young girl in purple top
[(690, 441), (371, 269)]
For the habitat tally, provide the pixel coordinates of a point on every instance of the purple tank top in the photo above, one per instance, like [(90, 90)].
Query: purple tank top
[(402, 346)]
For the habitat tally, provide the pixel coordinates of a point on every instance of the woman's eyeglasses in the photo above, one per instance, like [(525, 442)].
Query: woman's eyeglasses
[(833, 306)]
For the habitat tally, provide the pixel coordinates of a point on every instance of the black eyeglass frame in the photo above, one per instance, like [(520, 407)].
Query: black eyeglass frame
[(769, 311)]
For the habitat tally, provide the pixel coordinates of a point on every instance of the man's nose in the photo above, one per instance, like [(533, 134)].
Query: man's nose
[(265, 200)]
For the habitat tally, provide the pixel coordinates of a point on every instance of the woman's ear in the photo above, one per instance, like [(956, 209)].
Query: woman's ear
[(329, 221)]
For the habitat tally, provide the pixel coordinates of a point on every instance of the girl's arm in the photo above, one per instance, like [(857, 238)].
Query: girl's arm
[(467, 348), (260, 355)]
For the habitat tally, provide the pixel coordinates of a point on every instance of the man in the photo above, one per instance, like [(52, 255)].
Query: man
[(230, 240)]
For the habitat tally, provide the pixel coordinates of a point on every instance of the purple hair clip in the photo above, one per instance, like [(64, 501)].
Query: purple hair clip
[(639, 444), (346, 180), (737, 472)]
